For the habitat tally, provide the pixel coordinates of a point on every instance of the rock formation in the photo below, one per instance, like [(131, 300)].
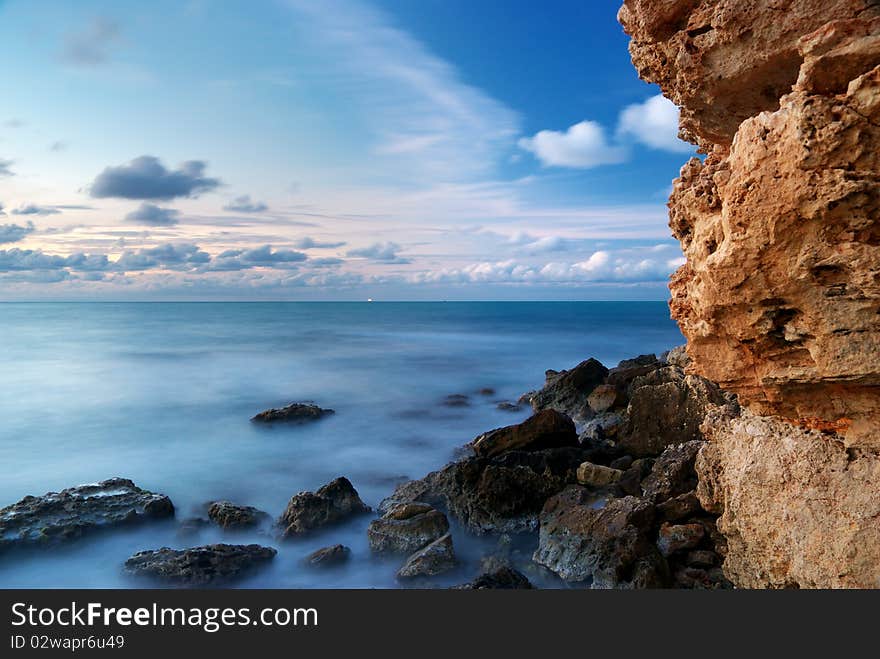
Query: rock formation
[(780, 295)]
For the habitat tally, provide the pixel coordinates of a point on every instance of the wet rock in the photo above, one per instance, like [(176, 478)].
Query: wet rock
[(457, 400), (567, 391), (546, 429), (507, 406), (331, 503), (503, 494), (595, 475), (58, 517), (667, 407), (406, 528), (436, 558), (678, 537), (328, 556), (199, 566), (504, 578), (580, 541), (232, 516), (293, 413), (673, 472), (603, 426)]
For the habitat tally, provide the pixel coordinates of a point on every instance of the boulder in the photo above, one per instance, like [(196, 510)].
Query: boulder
[(567, 391), (199, 566), (406, 528), (673, 472), (58, 517), (595, 475), (503, 578), (328, 556), (679, 537), (436, 558), (232, 516), (546, 429), (581, 541), (679, 507), (293, 413), (502, 494), (678, 357), (602, 427), (603, 398), (331, 503), (667, 407)]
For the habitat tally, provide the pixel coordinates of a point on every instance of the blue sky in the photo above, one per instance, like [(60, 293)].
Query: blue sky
[(343, 149)]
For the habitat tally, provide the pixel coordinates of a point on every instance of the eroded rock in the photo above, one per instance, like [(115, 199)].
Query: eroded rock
[(545, 429), (293, 413), (406, 527), (328, 556), (436, 558), (567, 391), (199, 566), (330, 504), (233, 516)]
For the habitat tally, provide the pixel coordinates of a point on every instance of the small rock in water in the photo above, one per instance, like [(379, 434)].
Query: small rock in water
[(437, 558), (331, 503), (232, 516), (328, 556), (487, 391), (507, 406), (58, 517), (293, 413), (199, 566), (457, 400), (406, 527), (504, 578)]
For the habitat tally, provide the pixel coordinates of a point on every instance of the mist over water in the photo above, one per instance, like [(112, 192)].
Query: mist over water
[(163, 393)]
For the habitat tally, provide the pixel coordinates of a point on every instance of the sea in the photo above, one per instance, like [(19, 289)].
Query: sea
[(163, 394)]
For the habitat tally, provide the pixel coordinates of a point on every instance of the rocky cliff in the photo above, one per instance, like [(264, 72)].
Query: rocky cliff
[(780, 295)]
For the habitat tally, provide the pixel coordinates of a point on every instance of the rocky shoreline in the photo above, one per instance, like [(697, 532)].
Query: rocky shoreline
[(597, 488)]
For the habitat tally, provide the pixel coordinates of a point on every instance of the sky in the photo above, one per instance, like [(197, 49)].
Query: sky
[(333, 150)]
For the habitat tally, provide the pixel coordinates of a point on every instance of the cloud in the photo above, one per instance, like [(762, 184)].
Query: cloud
[(90, 46), (172, 256), (582, 146), (420, 118), (654, 123), (326, 262), (33, 209), (146, 178), (58, 146), (383, 252), (13, 123), (265, 256), (153, 215), (12, 233), (5, 168), (243, 204), (311, 243)]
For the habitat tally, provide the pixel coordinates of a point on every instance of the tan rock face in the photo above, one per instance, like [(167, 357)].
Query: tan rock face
[(780, 295), (797, 508)]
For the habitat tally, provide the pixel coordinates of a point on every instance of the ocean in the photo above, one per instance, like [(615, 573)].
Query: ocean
[(163, 393)]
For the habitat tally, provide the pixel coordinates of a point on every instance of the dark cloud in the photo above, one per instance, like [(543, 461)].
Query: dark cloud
[(244, 204), (146, 178), (12, 233), (265, 256), (324, 262), (33, 209), (91, 46), (13, 260), (383, 252), (311, 243), (153, 215), (5, 168), (184, 256)]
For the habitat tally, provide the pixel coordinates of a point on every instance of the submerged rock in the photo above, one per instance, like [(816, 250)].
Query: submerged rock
[(331, 503), (199, 566), (503, 578), (436, 558), (406, 527), (507, 406), (328, 556), (58, 517), (457, 400), (546, 429), (293, 413), (232, 516)]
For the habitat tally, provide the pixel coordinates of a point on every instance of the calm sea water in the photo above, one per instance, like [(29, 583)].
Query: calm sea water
[(163, 394)]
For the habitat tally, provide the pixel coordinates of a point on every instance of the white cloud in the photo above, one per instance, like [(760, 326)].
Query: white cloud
[(582, 146), (654, 123)]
